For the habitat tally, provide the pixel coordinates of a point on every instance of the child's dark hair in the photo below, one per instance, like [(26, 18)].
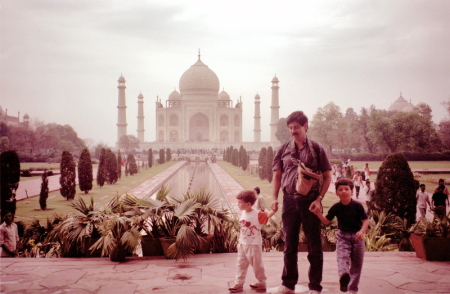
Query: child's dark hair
[(257, 190), (422, 185), (247, 196), (344, 182)]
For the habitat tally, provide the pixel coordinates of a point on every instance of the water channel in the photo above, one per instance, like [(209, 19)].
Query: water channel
[(194, 176)]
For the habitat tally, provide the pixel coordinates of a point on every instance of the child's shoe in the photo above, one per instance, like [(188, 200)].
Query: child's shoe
[(343, 281), (283, 290), (236, 288), (258, 286), (352, 292)]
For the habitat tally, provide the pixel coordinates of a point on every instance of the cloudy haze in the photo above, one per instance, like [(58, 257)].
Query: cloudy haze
[(60, 60)]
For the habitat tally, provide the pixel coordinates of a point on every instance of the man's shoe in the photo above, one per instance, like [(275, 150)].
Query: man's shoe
[(343, 281), (236, 288), (283, 290), (258, 286), (352, 292), (313, 292)]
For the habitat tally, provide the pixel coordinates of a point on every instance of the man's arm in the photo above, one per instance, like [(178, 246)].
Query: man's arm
[(360, 233), (276, 185), (323, 190)]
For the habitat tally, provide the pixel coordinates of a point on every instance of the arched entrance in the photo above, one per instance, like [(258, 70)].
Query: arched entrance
[(199, 128)]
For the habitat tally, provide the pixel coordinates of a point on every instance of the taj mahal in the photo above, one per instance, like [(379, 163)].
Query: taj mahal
[(198, 116)]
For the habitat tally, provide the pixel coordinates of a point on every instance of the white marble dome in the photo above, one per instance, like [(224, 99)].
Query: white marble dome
[(199, 79)]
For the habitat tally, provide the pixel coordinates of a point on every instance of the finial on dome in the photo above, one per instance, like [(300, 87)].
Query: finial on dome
[(198, 53)]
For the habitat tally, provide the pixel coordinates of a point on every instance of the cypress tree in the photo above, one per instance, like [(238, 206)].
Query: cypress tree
[(67, 178), (244, 160), (395, 188), (85, 176), (111, 167), (131, 163), (168, 154), (150, 158), (119, 165), (101, 171), (241, 156), (161, 156), (10, 177), (262, 162), (269, 162), (43, 195)]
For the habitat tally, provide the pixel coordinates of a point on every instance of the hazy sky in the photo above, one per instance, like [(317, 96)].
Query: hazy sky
[(60, 60)]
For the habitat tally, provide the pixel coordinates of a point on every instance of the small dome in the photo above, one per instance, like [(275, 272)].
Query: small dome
[(224, 95), (26, 116), (140, 96), (401, 105), (175, 95), (121, 79), (257, 96), (199, 79), (275, 79)]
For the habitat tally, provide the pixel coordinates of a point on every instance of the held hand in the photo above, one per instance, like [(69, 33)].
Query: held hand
[(359, 236), (274, 205), (316, 205)]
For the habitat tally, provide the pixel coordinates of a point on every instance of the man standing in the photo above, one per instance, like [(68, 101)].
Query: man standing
[(441, 182), (422, 200), (260, 202), (300, 150)]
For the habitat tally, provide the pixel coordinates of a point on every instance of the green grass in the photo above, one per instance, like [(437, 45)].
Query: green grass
[(29, 208)]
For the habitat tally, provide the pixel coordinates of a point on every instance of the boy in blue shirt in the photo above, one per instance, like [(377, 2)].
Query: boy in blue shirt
[(352, 225)]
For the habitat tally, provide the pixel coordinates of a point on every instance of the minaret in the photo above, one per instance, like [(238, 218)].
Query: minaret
[(275, 109), (140, 117), (257, 117), (122, 110)]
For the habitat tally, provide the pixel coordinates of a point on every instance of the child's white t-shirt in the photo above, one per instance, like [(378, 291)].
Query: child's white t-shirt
[(250, 223)]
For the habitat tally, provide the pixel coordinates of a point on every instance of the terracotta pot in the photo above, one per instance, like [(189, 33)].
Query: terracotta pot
[(88, 242), (151, 247), (436, 248), (416, 241), (329, 247), (302, 247), (165, 243)]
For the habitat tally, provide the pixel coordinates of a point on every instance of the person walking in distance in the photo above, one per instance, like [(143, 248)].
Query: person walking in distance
[(299, 199), (260, 202), (422, 200), (357, 181)]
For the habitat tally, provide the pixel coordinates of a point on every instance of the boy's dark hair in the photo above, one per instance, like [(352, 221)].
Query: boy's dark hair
[(422, 185), (257, 190), (441, 180), (297, 116), (441, 188), (367, 182), (247, 196), (344, 182)]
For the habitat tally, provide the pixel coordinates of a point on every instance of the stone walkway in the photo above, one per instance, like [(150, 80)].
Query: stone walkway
[(383, 273)]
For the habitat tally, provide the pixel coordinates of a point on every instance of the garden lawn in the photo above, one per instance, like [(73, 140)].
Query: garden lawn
[(29, 209)]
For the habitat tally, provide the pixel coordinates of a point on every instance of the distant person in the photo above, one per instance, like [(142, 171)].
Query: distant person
[(369, 196), (250, 242), (9, 236), (440, 202), (366, 172), (357, 181), (352, 225), (422, 200), (441, 182), (260, 202)]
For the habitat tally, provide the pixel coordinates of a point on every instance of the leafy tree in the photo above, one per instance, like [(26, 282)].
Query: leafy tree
[(444, 133), (4, 144), (395, 188), (325, 124), (351, 115), (282, 133), (85, 173), (131, 163), (4, 130), (119, 165), (101, 170), (67, 178), (362, 127), (128, 142), (150, 157), (43, 195), (9, 178), (168, 154), (161, 156), (262, 163), (269, 162), (111, 167)]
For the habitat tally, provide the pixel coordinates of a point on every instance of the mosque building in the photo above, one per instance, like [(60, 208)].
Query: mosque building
[(199, 116), (13, 121), (401, 104)]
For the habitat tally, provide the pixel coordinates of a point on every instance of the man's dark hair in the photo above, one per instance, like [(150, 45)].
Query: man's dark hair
[(344, 182), (441, 180), (247, 196), (297, 116), (441, 188), (422, 185), (257, 190)]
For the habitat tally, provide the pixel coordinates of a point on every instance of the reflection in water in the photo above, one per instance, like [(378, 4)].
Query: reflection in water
[(192, 177)]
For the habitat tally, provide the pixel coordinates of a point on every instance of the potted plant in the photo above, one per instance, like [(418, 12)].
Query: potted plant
[(328, 234), (431, 239), (272, 235)]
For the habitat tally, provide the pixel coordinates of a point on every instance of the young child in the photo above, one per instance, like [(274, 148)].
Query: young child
[(9, 236), (352, 225), (250, 242)]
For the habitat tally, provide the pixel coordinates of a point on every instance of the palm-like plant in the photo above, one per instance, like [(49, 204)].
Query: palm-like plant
[(272, 234), (375, 238)]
